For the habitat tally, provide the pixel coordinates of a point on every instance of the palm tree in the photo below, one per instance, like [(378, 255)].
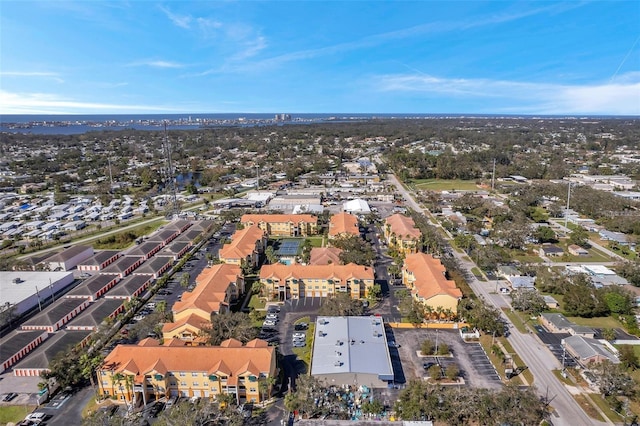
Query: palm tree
[(116, 379), (89, 364)]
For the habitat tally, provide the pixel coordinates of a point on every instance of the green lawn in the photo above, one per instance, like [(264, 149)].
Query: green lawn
[(316, 241), (256, 302), (598, 400), (477, 273), (445, 185), (598, 322), (516, 319), (14, 413), (304, 354), (125, 239)]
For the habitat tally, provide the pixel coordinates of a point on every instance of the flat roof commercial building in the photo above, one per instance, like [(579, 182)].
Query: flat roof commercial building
[(23, 290), (351, 351)]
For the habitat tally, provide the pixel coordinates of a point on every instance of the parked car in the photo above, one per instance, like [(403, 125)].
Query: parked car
[(299, 335), (273, 309), (301, 327), (428, 365), (8, 397), (299, 344)]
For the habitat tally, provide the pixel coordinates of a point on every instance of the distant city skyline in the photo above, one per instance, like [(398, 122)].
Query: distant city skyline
[(458, 57)]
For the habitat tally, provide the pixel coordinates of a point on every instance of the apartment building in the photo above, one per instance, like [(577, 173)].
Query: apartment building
[(426, 278), (283, 282), (216, 287), (283, 225), (148, 371), (246, 245), (400, 233), (343, 224)]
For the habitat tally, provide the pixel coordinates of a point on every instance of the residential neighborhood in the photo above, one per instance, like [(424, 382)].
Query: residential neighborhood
[(368, 267)]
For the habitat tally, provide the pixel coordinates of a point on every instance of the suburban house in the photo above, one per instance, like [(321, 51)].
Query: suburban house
[(426, 278), (148, 371), (401, 233), (216, 287), (283, 225), (246, 245), (283, 282), (550, 250), (343, 224), (576, 250)]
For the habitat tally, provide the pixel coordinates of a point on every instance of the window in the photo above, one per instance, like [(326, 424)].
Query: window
[(254, 390), (194, 374), (183, 383), (182, 374), (196, 384)]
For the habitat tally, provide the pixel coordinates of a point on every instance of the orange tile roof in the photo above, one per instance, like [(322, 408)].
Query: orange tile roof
[(209, 293), (194, 320), (343, 272), (429, 276), (231, 343), (243, 243), (174, 342), (278, 218), (325, 256), (142, 360), (403, 226), (343, 223)]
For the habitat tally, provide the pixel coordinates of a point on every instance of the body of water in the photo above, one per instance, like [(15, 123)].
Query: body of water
[(78, 124)]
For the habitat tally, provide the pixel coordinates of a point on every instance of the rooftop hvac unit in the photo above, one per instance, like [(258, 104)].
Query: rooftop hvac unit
[(338, 353), (338, 342), (322, 321), (338, 363)]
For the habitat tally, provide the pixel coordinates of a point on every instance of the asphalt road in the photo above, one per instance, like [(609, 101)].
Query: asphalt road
[(537, 357)]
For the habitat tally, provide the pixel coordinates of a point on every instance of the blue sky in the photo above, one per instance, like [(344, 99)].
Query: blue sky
[(498, 57)]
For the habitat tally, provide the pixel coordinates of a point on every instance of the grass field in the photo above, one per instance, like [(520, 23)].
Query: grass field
[(598, 322), (125, 239), (14, 413), (444, 185)]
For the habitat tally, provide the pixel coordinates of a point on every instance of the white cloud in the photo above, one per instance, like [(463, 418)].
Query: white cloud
[(182, 21), (617, 97), (157, 64), (48, 103), (37, 74)]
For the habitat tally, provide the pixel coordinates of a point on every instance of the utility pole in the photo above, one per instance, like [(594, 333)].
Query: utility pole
[(493, 175), (257, 178), (566, 212), (171, 185)]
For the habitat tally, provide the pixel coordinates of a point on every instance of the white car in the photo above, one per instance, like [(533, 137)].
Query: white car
[(269, 323), (299, 335)]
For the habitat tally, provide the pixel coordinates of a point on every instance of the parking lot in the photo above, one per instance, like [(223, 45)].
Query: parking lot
[(475, 367), (553, 341)]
